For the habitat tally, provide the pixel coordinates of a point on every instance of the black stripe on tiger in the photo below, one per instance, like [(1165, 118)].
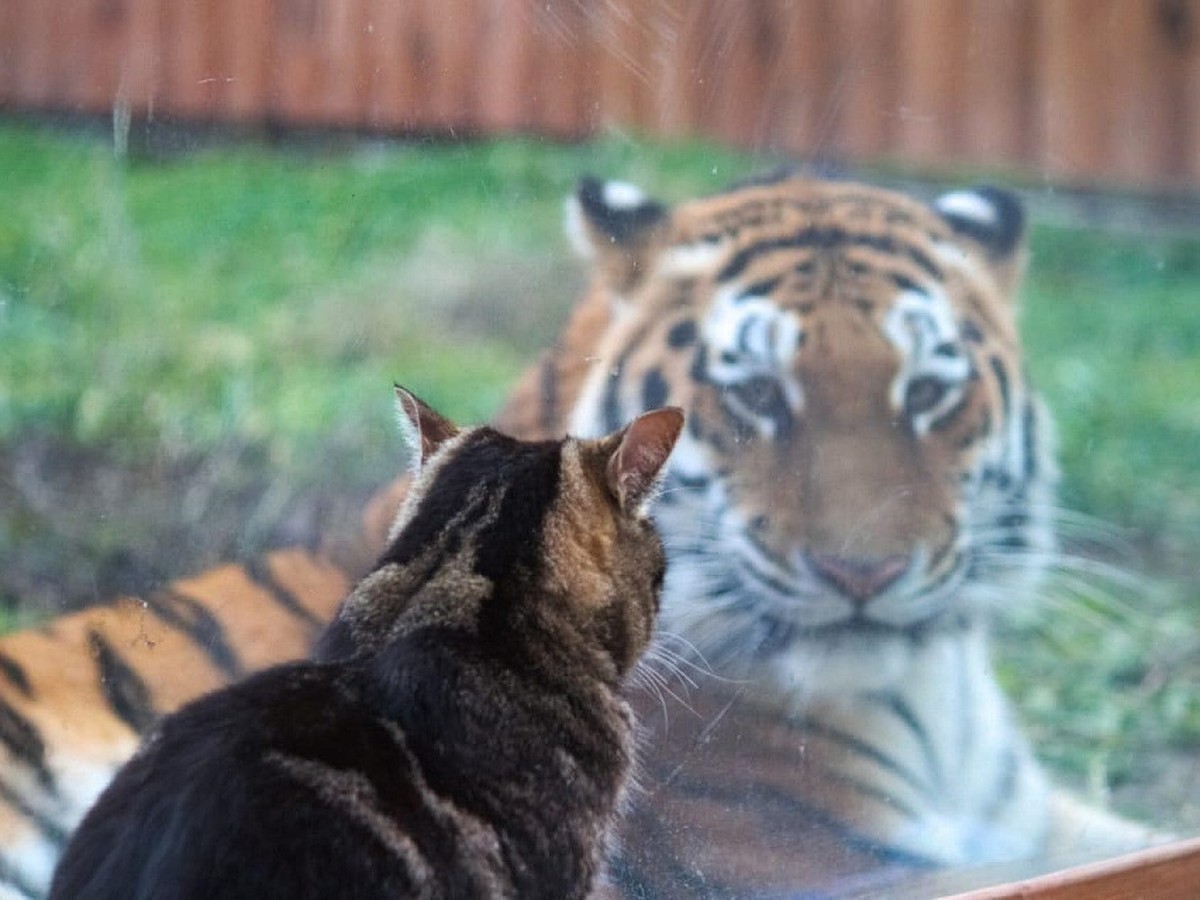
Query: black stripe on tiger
[(825, 238), (124, 690), (899, 707), (47, 826), (259, 571), (682, 334), (654, 389), (859, 746), (884, 796), (189, 616), (13, 881), (610, 407), (24, 743), (1029, 436), (14, 673), (789, 808), (1002, 789), (1002, 385)]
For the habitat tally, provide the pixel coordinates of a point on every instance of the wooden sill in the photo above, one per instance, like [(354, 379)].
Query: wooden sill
[(1169, 872)]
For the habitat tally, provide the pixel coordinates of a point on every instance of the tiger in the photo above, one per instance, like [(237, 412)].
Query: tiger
[(865, 480)]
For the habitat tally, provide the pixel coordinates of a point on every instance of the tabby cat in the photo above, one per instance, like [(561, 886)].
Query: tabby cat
[(461, 732), (866, 478)]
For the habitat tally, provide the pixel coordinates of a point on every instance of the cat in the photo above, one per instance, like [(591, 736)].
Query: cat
[(460, 730)]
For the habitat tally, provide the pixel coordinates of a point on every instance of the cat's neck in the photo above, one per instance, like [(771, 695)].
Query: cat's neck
[(492, 623)]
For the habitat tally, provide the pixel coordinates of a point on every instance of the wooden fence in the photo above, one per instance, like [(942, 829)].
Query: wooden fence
[(1082, 90)]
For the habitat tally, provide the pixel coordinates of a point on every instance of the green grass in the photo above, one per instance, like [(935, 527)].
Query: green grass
[(264, 300), (1112, 330), (265, 295), (1106, 677)]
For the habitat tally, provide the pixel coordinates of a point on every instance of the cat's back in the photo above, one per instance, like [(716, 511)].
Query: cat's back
[(282, 786)]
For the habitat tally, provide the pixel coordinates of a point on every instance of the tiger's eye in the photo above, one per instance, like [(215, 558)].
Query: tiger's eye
[(923, 394), (760, 396), (755, 402)]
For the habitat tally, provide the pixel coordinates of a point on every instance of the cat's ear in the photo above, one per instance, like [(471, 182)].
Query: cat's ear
[(423, 428), (641, 451)]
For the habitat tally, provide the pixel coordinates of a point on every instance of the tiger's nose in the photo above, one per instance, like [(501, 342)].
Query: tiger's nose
[(859, 578)]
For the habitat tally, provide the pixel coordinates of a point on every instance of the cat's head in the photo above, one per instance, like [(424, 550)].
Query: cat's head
[(504, 538)]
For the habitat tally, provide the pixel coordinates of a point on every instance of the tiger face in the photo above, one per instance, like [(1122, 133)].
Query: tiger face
[(864, 466)]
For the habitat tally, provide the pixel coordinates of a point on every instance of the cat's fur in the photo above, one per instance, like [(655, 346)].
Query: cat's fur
[(460, 732)]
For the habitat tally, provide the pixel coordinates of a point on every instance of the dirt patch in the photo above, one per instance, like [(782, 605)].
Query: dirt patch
[(80, 527)]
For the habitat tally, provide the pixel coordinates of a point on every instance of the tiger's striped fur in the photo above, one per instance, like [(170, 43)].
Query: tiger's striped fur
[(77, 693), (837, 749)]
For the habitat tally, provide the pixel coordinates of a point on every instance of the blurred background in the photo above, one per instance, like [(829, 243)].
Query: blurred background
[(226, 226)]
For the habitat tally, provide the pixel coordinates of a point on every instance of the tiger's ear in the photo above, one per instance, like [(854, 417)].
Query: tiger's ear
[(616, 226), (421, 426), (642, 449), (993, 221)]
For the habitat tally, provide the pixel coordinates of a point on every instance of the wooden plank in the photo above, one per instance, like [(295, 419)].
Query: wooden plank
[(193, 81), (106, 28), (1072, 109), (381, 70), (1000, 115), (247, 39), (35, 52), (748, 47), (793, 77), (340, 43), (454, 39), (141, 57), (8, 56), (1137, 78), (677, 47), (1176, 33), (931, 67), (71, 40), (685, 104), (505, 56), (1190, 99), (297, 78), (584, 61), (1171, 872), (620, 36), (560, 31), (421, 64), (859, 117), (393, 99)]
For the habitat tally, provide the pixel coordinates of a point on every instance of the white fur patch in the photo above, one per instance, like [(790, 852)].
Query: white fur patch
[(576, 229), (916, 323), (33, 858), (751, 336), (967, 205), (623, 195), (686, 260)]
